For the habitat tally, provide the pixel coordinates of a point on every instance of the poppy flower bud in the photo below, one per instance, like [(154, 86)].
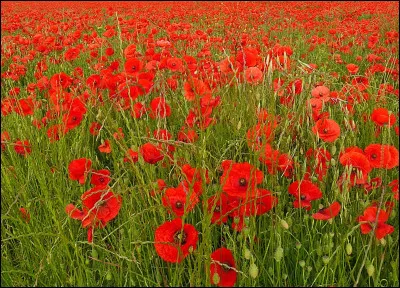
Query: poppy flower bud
[(298, 245), (370, 270), (349, 249), (284, 224), (302, 263), (94, 253), (333, 150), (216, 278), (325, 259), (108, 276), (247, 254), (253, 270), (278, 254)]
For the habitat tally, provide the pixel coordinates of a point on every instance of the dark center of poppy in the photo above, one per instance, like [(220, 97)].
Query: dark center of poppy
[(259, 139), (226, 266), (101, 179), (325, 130), (373, 156), (74, 118), (217, 209), (320, 94), (180, 238), (313, 105), (303, 197), (242, 182), (173, 64), (178, 204)]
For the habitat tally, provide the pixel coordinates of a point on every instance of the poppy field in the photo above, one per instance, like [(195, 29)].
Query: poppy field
[(199, 144)]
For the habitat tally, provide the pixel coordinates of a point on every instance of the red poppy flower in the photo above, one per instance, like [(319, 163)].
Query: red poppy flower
[(173, 240), (321, 92), (175, 199), (223, 264), (321, 157), (131, 156), (257, 136), (328, 213), (175, 64), (378, 155), (130, 51), (5, 137), (25, 107), (327, 130), (360, 166), (100, 177), (218, 206), (253, 75), (105, 147), (25, 214), (380, 117), (22, 147), (370, 217), (240, 179), (95, 128), (138, 110), (195, 87), (159, 108), (270, 158), (352, 68), (285, 165), (72, 120), (305, 192), (187, 135), (150, 153), (133, 66), (60, 80), (72, 54), (394, 186), (394, 157), (78, 169), (102, 204), (259, 204)]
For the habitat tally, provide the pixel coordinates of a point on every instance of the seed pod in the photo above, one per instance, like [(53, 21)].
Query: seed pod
[(333, 162), (298, 245), (108, 276), (87, 262), (349, 249), (253, 270), (302, 263)]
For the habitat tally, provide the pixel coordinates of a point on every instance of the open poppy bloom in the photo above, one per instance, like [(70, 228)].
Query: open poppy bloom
[(218, 206), (305, 192), (370, 217), (99, 207), (321, 92), (22, 147), (253, 75), (327, 130), (328, 213), (381, 116), (378, 155), (173, 240), (240, 179), (222, 264), (78, 169), (151, 153), (100, 177), (359, 164), (175, 200), (105, 147)]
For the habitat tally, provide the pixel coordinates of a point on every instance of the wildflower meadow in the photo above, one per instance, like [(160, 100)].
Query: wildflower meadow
[(199, 144)]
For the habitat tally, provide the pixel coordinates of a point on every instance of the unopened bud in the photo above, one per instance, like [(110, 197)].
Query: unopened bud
[(216, 278), (279, 254), (370, 270), (349, 249), (253, 271), (284, 224), (325, 259), (302, 263)]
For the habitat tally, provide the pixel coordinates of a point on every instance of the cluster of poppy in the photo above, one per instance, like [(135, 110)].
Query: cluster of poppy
[(100, 204), (154, 65)]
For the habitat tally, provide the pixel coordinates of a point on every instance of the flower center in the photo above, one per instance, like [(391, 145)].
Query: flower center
[(217, 209), (178, 204), (325, 130), (320, 94), (242, 182), (180, 238), (303, 197), (373, 156), (226, 266)]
